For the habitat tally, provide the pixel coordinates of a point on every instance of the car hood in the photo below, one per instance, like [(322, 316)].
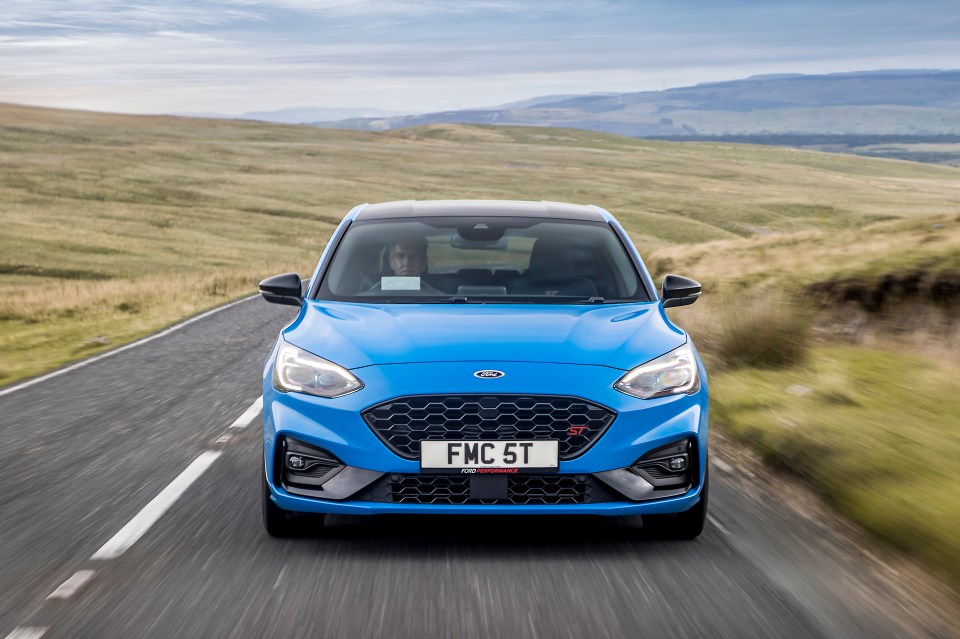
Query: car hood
[(356, 335)]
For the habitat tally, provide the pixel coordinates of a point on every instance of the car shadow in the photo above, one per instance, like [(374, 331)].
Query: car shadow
[(501, 534)]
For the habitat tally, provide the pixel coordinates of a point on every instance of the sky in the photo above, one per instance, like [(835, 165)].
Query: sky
[(235, 56)]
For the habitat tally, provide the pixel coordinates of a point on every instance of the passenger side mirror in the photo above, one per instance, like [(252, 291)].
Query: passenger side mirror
[(679, 291), (283, 289)]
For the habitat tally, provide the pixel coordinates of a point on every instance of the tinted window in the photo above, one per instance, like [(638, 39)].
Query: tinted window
[(480, 259)]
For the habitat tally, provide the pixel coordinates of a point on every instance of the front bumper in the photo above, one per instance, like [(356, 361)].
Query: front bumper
[(290, 502), (337, 426)]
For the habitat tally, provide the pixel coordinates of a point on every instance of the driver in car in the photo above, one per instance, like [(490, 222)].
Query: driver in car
[(407, 257)]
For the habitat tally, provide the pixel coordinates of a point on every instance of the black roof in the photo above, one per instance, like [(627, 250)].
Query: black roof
[(482, 208)]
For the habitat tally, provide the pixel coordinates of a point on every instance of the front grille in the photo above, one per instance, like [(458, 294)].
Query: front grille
[(455, 489), (403, 423)]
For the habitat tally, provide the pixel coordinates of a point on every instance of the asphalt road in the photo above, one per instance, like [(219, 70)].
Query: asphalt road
[(82, 453)]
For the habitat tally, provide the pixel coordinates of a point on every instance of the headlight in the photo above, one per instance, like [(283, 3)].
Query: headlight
[(670, 374), (297, 370)]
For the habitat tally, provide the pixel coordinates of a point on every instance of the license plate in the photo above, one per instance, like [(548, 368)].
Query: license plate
[(470, 457)]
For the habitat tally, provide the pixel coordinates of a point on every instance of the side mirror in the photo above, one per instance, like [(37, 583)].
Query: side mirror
[(283, 289), (679, 291)]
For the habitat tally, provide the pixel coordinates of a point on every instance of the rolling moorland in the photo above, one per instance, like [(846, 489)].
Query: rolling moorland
[(902, 102), (935, 149), (900, 114), (828, 319)]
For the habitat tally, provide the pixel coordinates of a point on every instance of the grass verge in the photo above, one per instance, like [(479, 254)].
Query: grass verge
[(49, 322), (874, 432)]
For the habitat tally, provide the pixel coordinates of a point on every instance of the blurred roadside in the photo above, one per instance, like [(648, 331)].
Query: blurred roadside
[(854, 584), (837, 358)]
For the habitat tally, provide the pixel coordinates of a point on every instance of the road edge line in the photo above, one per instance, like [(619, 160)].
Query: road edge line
[(72, 585), (153, 511), (149, 338), (249, 415)]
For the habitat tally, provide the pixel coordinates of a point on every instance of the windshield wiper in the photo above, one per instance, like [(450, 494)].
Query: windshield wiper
[(504, 299), (463, 299)]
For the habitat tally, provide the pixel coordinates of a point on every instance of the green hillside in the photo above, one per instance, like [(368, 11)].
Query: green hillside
[(116, 225)]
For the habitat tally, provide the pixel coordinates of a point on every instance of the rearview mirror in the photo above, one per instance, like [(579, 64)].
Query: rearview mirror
[(283, 289), (679, 291), (457, 241), (481, 232)]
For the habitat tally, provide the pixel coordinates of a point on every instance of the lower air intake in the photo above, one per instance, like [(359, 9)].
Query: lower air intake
[(521, 490)]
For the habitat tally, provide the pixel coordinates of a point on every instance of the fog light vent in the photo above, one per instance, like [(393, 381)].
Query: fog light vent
[(306, 467), (667, 467)]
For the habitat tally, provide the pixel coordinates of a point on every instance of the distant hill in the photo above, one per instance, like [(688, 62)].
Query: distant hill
[(301, 115), (297, 115), (888, 102)]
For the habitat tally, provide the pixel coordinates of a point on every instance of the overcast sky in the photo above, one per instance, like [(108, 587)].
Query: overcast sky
[(233, 56)]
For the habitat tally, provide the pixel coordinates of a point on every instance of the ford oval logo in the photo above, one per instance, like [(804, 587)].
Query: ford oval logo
[(489, 374)]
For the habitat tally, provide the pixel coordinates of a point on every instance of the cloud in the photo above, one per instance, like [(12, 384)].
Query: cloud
[(118, 15), (242, 55)]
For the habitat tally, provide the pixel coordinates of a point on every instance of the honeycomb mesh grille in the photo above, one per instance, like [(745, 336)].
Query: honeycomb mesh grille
[(455, 489), (404, 422)]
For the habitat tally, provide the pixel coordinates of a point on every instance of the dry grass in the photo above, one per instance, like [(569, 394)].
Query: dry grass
[(101, 213), (761, 329), (758, 292), (114, 226), (68, 319), (798, 259)]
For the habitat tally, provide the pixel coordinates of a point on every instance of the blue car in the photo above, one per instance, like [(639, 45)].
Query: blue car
[(483, 357)]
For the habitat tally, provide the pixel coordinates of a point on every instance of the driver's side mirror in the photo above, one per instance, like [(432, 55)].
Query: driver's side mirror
[(283, 289), (679, 291)]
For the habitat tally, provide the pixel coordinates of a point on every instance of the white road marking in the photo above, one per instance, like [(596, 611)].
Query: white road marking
[(97, 358), (144, 519), (718, 525), (248, 415), (26, 633), (280, 576), (70, 587), (722, 465)]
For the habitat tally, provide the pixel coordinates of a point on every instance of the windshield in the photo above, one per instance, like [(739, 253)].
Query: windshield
[(477, 259)]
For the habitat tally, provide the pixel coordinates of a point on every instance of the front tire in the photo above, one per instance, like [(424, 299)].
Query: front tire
[(276, 521), (279, 522), (685, 525)]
